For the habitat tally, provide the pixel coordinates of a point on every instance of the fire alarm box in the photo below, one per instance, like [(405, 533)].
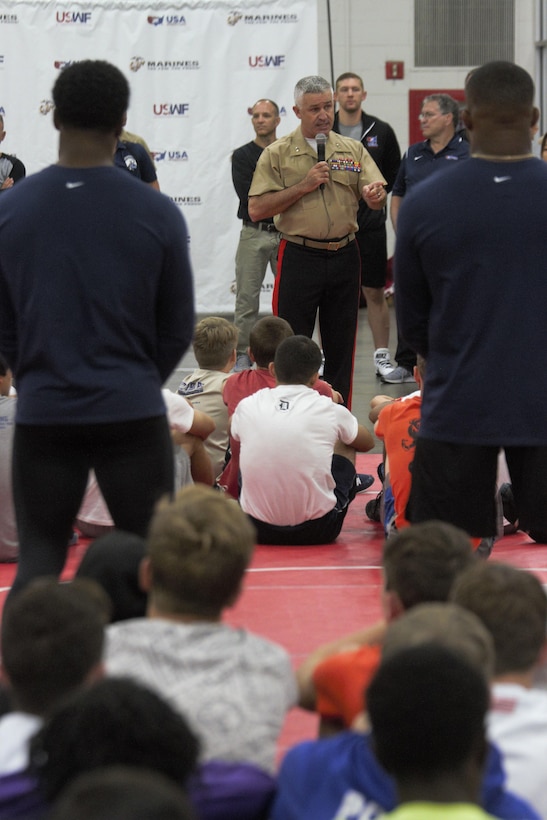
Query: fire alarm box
[(395, 70)]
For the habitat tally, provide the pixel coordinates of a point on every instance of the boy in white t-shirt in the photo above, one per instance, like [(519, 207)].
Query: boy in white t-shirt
[(298, 450), (512, 604)]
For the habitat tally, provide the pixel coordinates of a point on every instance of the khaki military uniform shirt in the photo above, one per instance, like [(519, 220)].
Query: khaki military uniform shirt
[(322, 214)]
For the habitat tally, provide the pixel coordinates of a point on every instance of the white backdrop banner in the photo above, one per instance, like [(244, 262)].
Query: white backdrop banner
[(195, 70)]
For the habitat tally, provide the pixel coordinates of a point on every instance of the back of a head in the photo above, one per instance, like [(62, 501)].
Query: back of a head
[(199, 547), (91, 95), (113, 561), (115, 722), (502, 88), (427, 709), (512, 605), (3, 366), (215, 339), (297, 360), (52, 638), (422, 562), (121, 793), (444, 624), (265, 337)]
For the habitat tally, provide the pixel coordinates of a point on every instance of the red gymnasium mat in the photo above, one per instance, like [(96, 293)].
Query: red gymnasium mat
[(301, 597)]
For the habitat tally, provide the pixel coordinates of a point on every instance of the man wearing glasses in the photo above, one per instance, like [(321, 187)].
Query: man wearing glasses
[(443, 144)]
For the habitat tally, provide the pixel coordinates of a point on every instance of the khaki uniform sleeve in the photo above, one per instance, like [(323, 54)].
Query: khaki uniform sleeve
[(267, 177)]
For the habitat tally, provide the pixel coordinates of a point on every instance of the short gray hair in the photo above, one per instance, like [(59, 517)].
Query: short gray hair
[(310, 85)]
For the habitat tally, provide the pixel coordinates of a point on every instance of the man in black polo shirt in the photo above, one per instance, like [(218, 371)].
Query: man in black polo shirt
[(379, 139), (259, 241)]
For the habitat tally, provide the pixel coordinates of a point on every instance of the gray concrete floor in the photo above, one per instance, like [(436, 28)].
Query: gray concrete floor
[(365, 383)]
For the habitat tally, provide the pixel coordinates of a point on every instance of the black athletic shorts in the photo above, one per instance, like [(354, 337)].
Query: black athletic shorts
[(322, 530), (373, 251)]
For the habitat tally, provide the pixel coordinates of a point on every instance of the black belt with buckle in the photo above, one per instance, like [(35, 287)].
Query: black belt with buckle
[(261, 226), (319, 244)]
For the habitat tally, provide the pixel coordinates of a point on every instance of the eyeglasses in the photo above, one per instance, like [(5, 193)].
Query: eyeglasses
[(428, 115)]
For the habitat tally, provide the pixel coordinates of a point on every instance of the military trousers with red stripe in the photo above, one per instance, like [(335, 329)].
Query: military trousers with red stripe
[(311, 281)]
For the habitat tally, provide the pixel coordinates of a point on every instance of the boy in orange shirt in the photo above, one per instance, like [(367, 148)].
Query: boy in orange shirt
[(397, 423), (420, 565)]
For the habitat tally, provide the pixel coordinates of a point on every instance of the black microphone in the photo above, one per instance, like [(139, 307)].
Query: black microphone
[(321, 140)]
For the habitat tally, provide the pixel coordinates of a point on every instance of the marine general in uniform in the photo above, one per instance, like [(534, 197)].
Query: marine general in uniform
[(314, 205)]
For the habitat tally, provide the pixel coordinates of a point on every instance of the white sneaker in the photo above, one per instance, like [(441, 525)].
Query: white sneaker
[(398, 375), (321, 370), (382, 362)]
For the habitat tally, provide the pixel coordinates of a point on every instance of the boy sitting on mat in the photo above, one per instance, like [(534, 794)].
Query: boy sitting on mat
[(234, 687), (214, 346), (265, 337), (397, 423), (297, 456)]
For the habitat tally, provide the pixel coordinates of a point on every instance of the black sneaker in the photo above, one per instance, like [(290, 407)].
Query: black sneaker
[(372, 509), (538, 536), (508, 503), (362, 482), (510, 512)]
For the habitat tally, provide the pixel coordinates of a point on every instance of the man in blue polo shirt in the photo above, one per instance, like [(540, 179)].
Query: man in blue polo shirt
[(442, 146)]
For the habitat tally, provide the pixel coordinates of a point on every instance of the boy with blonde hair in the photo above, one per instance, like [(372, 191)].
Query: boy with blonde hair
[(233, 687), (214, 345)]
